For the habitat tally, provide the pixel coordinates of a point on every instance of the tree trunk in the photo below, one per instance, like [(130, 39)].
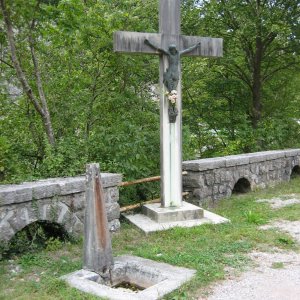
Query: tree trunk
[(257, 80), (256, 87), (46, 115), (41, 109)]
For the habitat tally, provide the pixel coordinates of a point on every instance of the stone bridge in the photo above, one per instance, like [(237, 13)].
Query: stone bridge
[(209, 180), (57, 200), (61, 200)]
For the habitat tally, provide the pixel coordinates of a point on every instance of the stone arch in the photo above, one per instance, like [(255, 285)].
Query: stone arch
[(295, 172), (242, 186), (20, 216), (60, 213), (52, 229), (37, 234)]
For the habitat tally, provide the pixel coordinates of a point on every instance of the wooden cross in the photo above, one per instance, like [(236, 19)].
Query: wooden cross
[(170, 133)]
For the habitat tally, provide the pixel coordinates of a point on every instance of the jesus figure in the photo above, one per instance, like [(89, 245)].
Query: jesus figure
[(171, 76)]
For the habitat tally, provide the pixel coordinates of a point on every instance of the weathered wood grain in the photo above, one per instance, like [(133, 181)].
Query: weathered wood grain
[(169, 17), (97, 254), (134, 42), (210, 47)]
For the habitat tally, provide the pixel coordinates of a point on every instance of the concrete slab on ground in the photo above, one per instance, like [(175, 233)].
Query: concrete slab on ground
[(149, 225), (157, 279)]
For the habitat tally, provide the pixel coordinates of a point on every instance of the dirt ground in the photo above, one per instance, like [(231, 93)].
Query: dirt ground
[(276, 275)]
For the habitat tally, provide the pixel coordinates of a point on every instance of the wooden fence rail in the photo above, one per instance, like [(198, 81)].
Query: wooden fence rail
[(143, 180)]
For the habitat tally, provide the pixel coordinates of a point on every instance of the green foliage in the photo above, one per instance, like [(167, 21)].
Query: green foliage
[(68, 158), (220, 95), (286, 241), (181, 296), (53, 244), (6, 165), (100, 102), (253, 218), (34, 237)]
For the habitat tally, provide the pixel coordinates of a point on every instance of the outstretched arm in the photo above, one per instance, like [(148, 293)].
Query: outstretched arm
[(190, 49), (147, 42)]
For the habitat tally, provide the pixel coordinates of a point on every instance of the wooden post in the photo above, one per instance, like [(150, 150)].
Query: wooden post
[(170, 133), (97, 254)]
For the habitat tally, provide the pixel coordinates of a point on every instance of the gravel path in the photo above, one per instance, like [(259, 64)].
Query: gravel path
[(283, 201), (276, 275), (292, 228)]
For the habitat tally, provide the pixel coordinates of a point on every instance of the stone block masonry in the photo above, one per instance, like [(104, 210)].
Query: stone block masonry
[(57, 200), (209, 180), (62, 200)]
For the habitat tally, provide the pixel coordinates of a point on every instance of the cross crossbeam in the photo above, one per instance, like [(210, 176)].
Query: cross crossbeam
[(169, 44), (133, 42)]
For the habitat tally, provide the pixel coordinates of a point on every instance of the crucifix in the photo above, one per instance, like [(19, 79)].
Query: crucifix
[(170, 45)]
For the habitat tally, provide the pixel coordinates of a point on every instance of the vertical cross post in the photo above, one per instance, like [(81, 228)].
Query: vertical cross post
[(162, 43), (170, 133)]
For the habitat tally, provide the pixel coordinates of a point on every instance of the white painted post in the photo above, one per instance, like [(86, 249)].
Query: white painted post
[(170, 140)]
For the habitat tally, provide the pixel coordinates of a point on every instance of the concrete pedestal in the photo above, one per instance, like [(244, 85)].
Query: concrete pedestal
[(172, 214), (157, 218)]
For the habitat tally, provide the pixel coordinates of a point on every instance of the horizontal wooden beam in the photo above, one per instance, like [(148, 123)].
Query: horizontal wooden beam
[(134, 42), (144, 180), (210, 47)]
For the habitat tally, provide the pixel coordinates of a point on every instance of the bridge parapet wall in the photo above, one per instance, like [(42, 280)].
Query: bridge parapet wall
[(61, 200), (209, 180), (57, 200)]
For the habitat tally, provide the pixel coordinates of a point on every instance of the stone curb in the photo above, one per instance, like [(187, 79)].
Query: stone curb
[(46, 188)]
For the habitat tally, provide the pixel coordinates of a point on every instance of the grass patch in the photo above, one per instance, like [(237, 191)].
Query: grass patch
[(254, 218), (209, 249), (289, 213), (277, 265)]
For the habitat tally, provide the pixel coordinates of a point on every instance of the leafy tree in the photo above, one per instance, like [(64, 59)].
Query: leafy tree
[(260, 42), (229, 101), (100, 104), (27, 23)]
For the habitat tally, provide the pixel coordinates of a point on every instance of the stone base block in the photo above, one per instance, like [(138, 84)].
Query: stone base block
[(172, 214), (153, 279), (148, 225)]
